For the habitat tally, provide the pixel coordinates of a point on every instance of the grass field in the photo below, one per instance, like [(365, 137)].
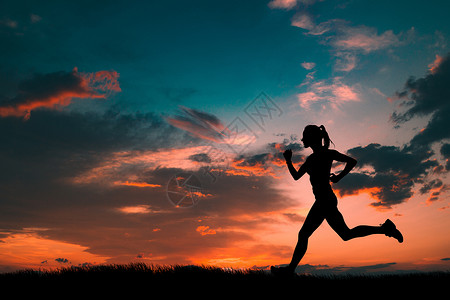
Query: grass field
[(199, 281)]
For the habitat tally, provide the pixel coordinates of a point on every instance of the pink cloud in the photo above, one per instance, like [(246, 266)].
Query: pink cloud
[(333, 94), (305, 21), (347, 40), (364, 39), (308, 65), (286, 4), (345, 61), (289, 4)]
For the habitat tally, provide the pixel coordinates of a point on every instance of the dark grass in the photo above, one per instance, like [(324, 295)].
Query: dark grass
[(198, 280)]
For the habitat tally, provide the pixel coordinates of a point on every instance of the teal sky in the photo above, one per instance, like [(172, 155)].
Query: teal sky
[(217, 56)]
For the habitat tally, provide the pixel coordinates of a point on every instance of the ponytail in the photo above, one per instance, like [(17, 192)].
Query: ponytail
[(326, 137)]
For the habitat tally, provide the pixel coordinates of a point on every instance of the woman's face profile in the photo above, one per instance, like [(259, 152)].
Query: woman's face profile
[(309, 138)]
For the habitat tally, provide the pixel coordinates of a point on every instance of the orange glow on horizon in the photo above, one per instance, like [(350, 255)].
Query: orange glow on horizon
[(29, 250)]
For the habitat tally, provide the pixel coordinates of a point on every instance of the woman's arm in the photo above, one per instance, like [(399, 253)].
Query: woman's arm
[(350, 163), (295, 174)]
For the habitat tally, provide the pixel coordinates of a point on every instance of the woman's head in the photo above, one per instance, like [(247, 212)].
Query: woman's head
[(313, 136)]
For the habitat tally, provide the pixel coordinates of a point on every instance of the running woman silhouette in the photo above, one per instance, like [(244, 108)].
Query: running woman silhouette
[(318, 166)]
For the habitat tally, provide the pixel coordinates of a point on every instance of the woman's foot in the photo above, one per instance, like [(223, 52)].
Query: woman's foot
[(390, 230), (281, 271)]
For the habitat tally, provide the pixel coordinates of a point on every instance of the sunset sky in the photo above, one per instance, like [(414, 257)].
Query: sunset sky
[(153, 131)]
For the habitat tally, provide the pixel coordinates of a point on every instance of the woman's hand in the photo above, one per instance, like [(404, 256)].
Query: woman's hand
[(334, 178), (287, 155)]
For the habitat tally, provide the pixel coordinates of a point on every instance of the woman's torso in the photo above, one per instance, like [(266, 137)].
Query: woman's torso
[(318, 169)]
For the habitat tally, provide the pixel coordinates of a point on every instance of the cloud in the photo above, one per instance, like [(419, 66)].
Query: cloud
[(137, 184), (321, 94), (62, 260), (131, 168), (289, 4), (363, 39), (433, 67), (198, 123), (382, 268), (123, 163), (347, 41), (345, 61), (305, 20), (200, 157), (35, 18), (266, 161), (205, 230), (62, 145), (286, 4), (9, 23), (308, 65), (55, 90), (138, 209), (395, 171), (427, 96), (445, 152), (344, 37)]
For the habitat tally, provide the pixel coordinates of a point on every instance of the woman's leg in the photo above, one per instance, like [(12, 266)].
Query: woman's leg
[(336, 221), (313, 220)]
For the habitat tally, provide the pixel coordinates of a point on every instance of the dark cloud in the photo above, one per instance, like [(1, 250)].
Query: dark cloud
[(426, 96), (58, 89), (62, 260), (393, 159), (87, 215), (273, 152), (445, 152), (55, 144), (395, 171), (41, 156), (198, 123), (200, 157), (267, 160), (433, 184)]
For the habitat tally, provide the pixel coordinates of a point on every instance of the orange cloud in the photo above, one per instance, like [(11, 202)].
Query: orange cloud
[(58, 89), (126, 164), (136, 184), (205, 230), (373, 191), (200, 194), (139, 209), (435, 64), (240, 168)]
